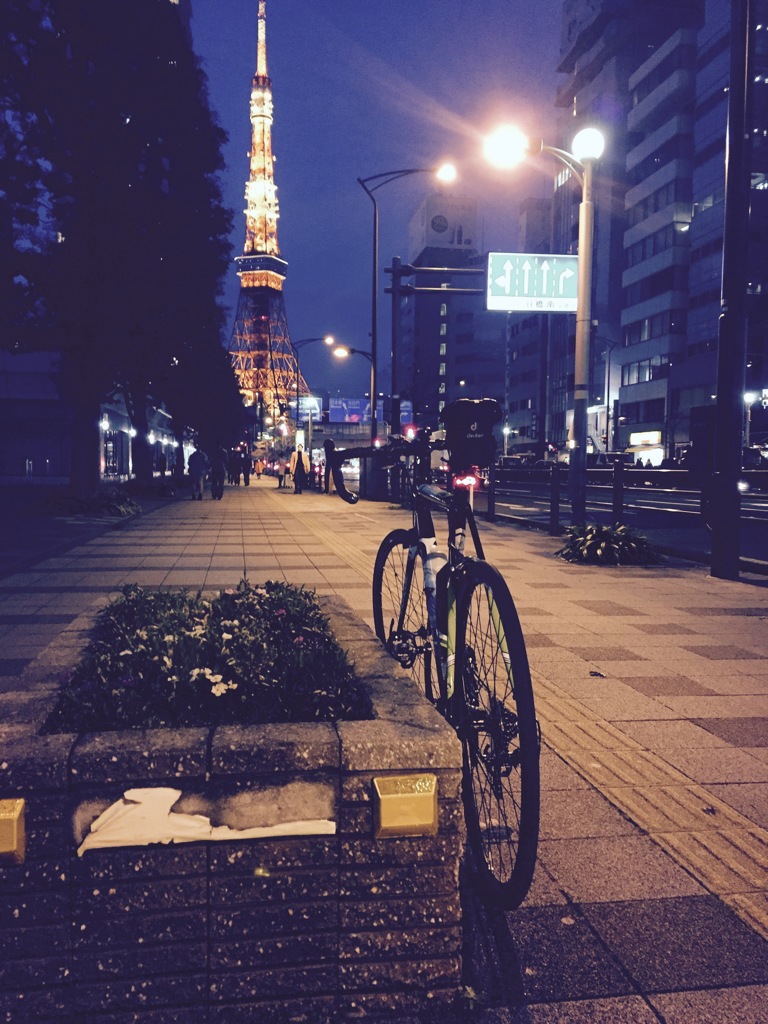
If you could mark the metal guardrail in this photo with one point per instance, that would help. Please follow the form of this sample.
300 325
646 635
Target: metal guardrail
625 483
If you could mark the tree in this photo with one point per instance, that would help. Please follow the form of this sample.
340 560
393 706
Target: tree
133 288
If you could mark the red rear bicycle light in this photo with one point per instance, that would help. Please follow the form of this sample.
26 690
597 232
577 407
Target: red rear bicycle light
468 480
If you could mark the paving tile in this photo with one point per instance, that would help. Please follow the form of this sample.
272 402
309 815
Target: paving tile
675 684
581 813
620 1010
663 628
617 702
751 799
719 764
668 944
558 958
665 736
13 666
742 1005
608 608
722 652
741 732
604 654
612 869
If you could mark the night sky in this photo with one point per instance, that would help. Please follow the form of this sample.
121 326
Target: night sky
362 87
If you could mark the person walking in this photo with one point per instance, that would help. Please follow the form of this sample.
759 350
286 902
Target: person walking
218 460
299 469
247 468
282 466
259 468
197 467
235 467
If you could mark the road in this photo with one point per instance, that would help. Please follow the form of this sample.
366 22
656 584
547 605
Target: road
670 517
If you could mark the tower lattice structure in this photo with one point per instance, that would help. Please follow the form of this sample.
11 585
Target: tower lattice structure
260 347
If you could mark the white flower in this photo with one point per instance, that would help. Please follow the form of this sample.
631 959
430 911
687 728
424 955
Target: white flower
226 636
169 639
125 654
220 688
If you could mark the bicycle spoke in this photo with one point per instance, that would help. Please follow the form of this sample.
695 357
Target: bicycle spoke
400 607
498 731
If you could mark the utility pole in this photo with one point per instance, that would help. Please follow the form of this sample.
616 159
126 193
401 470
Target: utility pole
732 334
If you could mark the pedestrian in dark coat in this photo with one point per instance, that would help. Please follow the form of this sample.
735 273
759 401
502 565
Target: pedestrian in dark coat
299 469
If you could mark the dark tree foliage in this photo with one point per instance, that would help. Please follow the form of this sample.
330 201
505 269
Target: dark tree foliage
132 296
29 184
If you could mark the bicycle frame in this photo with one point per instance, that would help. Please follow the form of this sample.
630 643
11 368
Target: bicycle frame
440 592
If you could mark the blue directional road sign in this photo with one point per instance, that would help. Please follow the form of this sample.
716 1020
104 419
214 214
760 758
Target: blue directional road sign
524 281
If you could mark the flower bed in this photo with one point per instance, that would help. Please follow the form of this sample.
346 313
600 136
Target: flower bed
173 659
307 928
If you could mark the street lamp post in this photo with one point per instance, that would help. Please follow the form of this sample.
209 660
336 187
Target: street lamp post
343 352
371 184
328 339
507 147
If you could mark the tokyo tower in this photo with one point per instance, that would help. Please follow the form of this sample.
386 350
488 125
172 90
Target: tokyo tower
260 347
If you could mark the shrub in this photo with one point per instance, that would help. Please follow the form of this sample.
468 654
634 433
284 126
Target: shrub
250 655
105 501
608 545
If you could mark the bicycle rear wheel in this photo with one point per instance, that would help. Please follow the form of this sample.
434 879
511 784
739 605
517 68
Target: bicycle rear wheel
398 588
496 722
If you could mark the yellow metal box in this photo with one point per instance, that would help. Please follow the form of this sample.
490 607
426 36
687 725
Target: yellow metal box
405 805
12 838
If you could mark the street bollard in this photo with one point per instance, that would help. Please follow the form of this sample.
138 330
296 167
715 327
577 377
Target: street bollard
554 500
618 492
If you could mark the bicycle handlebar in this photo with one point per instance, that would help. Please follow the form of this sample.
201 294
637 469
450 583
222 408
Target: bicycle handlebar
388 454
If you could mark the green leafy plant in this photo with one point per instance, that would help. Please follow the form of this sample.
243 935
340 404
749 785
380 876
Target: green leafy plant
167 658
608 545
105 501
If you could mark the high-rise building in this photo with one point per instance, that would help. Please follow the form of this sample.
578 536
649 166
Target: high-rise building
450 347
693 383
656 247
602 44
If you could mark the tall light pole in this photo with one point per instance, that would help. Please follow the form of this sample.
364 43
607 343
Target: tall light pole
445 173
507 147
328 339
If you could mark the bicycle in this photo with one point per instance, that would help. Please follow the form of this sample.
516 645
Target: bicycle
449 619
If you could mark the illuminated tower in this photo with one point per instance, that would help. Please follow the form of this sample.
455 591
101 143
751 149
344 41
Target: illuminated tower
260 346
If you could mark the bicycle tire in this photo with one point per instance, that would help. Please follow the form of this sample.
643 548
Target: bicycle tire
496 722
411 647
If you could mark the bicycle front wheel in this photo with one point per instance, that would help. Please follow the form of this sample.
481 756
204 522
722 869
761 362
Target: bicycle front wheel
496 721
400 616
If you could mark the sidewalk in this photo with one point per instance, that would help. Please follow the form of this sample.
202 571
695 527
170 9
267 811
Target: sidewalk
649 902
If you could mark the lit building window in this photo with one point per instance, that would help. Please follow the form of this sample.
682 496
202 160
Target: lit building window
443 329
441 371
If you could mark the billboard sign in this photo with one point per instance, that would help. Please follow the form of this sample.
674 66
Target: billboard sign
307 404
349 410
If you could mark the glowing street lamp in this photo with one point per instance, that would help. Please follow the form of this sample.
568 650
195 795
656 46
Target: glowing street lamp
444 173
327 339
506 148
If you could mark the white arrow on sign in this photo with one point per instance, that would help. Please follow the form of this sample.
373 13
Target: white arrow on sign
544 276
506 278
564 277
526 275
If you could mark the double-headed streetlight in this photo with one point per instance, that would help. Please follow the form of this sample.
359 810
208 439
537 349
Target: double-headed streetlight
506 148
327 339
445 173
